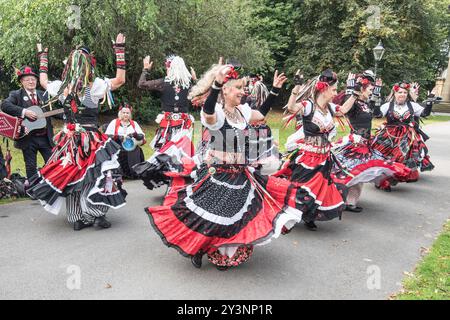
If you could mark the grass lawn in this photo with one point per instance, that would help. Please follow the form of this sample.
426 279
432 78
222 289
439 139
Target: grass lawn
431 279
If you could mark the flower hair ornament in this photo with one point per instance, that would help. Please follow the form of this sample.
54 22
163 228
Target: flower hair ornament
233 74
326 79
403 85
168 61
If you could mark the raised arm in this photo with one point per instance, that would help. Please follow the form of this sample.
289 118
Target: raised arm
414 91
353 91
278 81
209 108
292 105
152 85
43 66
119 49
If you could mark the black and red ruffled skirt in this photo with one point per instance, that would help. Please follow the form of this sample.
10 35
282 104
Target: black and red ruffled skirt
359 163
80 159
403 144
172 145
316 193
223 213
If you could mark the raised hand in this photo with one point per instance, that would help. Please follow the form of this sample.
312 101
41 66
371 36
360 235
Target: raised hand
379 82
378 86
193 74
147 63
415 88
279 79
120 39
298 78
223 72
39 48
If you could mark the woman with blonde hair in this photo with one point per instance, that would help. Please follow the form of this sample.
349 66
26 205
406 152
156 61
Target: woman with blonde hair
229 207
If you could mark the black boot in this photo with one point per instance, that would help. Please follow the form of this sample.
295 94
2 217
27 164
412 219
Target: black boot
353 208
101 222
310 225
78 225
197 260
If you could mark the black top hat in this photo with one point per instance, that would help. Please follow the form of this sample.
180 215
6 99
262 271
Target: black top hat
26 71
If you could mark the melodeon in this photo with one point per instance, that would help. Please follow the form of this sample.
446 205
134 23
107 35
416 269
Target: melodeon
10 126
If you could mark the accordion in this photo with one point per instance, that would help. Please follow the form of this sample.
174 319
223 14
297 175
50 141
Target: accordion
10 126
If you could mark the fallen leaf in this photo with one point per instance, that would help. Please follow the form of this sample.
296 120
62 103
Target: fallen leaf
424 251
108 286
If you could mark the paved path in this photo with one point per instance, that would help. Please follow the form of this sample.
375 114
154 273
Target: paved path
129 260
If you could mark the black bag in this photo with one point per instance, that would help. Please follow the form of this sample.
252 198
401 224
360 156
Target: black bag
19 183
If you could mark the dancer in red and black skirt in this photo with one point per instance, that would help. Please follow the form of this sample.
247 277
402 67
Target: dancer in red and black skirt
310 165
80 171
173 140
263 150
230 206
359 163
401 139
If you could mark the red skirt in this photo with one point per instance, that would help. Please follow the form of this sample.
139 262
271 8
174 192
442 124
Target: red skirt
226 208
403 144
172 145
359 163
316 193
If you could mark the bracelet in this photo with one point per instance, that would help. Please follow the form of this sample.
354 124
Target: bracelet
274 93
295 93
43 62
217 85
119 49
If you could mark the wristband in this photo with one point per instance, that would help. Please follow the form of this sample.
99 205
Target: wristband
119 49
43 62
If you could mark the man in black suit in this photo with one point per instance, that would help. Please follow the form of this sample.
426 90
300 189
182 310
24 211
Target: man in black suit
15 105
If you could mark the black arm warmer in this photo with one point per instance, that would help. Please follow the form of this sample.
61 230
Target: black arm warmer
428 108
265 107
210 103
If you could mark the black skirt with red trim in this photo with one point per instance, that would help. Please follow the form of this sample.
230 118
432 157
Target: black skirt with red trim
80 159
316 193
224 212
404 144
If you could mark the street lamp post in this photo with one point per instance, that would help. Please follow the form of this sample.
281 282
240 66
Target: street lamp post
378 53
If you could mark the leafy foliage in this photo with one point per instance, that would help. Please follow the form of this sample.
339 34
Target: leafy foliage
262 34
